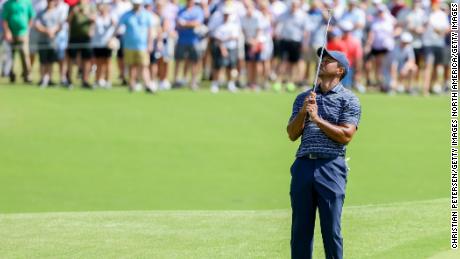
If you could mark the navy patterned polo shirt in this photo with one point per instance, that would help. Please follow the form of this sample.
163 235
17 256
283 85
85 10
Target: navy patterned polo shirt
338 106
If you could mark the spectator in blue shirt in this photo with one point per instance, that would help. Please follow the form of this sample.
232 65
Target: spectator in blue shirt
137 44
189 22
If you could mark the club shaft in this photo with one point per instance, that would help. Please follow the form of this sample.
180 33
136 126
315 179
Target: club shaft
322 50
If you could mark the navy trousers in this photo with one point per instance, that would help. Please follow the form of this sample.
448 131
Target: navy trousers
317 183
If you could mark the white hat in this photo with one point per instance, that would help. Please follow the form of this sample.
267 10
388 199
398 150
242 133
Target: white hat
137 1
227 10
406 37
346 26
381 7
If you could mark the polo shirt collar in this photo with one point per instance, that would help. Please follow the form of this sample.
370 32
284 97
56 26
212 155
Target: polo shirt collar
335 89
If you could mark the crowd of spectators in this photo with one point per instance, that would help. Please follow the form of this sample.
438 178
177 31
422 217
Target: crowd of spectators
392 46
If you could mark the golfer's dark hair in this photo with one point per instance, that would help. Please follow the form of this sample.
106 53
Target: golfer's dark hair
344 70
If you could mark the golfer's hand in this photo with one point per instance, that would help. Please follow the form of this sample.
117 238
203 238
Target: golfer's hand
312 107
304 106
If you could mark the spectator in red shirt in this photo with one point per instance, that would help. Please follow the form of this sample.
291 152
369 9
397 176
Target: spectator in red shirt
335 42
354 53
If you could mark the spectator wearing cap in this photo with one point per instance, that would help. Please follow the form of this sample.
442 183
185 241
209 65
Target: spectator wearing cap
291 31
226 36
17 19
277 9
357 16
267 41
379 43
403 66
61 41
415 25
251 24
81 19
47 23
38 6
165 48
316 27
155 52
138 43
104 29
188 49
215 21
119 8
354 53
437 26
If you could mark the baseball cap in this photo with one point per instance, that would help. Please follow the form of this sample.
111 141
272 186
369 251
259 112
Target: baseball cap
381 8
137 1
227 10
336 32
346 26
338 56
406 37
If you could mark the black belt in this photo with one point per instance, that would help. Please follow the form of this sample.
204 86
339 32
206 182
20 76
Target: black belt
321 156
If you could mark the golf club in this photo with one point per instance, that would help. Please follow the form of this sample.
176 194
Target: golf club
329 12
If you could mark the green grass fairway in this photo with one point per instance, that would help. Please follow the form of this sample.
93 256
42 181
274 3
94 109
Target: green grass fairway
389 231
92 174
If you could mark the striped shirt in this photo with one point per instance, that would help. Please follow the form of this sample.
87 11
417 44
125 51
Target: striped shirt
338 106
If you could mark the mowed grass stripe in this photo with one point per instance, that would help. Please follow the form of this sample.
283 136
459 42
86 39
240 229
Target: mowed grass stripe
111 150
405 230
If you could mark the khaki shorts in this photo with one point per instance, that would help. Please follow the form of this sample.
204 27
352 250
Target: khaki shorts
136 57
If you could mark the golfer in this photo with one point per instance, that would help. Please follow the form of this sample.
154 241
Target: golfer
326 120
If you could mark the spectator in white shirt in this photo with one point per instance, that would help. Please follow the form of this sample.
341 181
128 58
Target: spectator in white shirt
379 43
437 26
415 24
104 28
167 12
267 41
252 29
357 16
291 31
226 37
403 66
277 8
